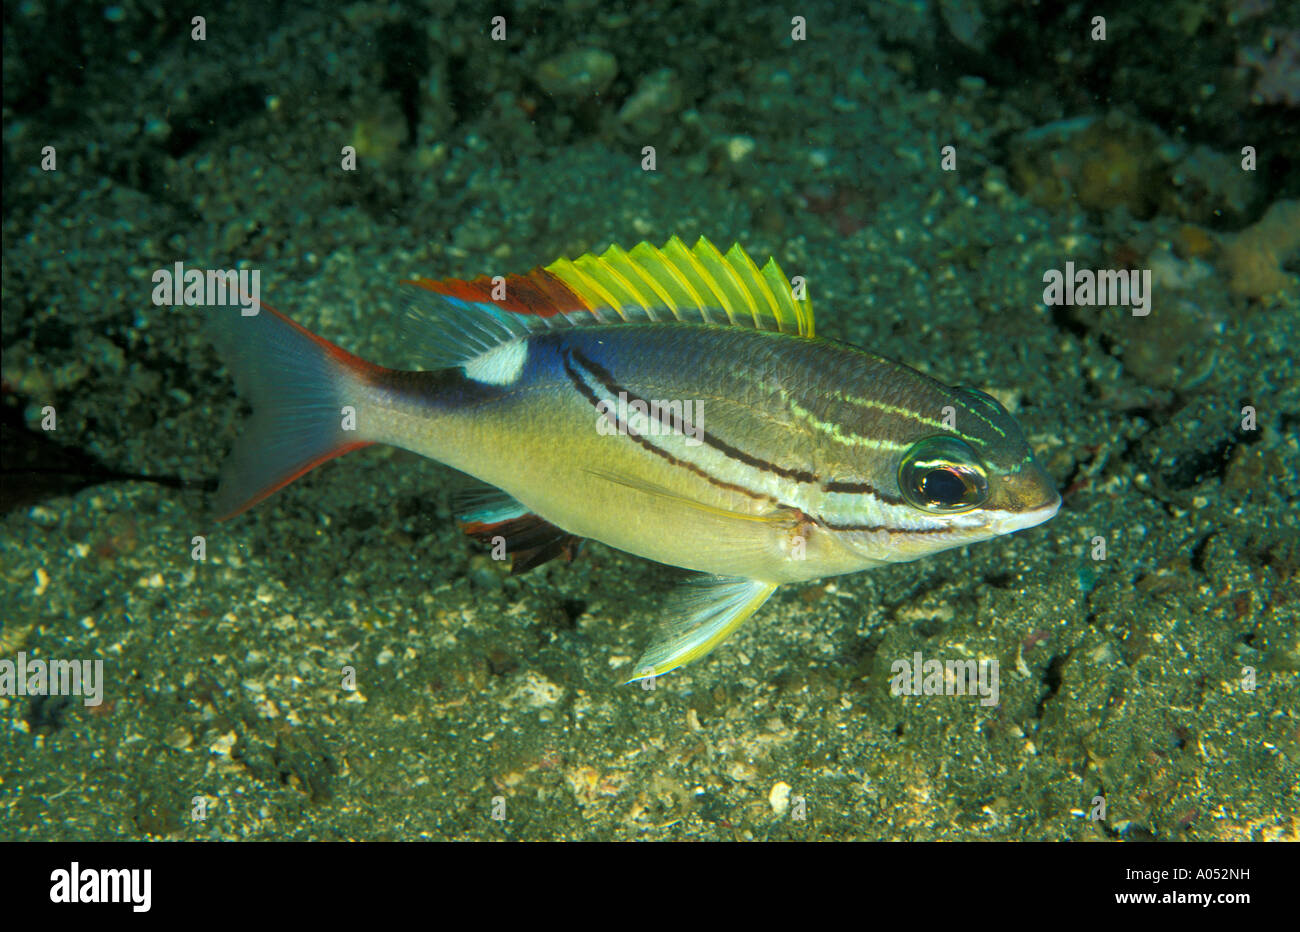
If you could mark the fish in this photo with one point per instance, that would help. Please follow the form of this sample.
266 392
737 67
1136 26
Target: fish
672 402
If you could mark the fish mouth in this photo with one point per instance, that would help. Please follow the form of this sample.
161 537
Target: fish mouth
1032 498
1029 517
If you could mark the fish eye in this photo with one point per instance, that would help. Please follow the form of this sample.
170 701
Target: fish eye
942 475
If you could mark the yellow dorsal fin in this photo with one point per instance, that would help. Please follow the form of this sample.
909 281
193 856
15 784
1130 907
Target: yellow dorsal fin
697 285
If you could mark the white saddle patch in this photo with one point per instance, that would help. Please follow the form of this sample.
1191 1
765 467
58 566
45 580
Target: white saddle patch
500 365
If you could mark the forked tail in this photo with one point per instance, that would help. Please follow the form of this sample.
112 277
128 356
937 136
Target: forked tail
298 385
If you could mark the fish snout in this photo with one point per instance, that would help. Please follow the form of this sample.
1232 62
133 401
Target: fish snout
1026 498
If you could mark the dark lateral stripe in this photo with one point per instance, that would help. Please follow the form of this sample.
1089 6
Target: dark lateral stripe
594 400
607 380
860 488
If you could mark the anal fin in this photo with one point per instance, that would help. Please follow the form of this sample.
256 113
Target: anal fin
487 513
701 615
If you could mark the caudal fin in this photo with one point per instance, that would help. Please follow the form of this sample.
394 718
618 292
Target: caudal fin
297 384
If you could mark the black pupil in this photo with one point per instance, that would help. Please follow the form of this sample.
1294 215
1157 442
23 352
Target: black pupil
944 487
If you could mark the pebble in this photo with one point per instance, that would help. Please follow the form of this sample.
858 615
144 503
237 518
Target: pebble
42 516
657 95
740 147
742 772
779 797
579 73
536 691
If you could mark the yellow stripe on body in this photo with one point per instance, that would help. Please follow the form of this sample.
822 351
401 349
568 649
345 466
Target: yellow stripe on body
837 431
890 409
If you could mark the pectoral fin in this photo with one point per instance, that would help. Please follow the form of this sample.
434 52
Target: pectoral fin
701 614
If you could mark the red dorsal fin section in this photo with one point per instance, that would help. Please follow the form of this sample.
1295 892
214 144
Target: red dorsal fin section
538 292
